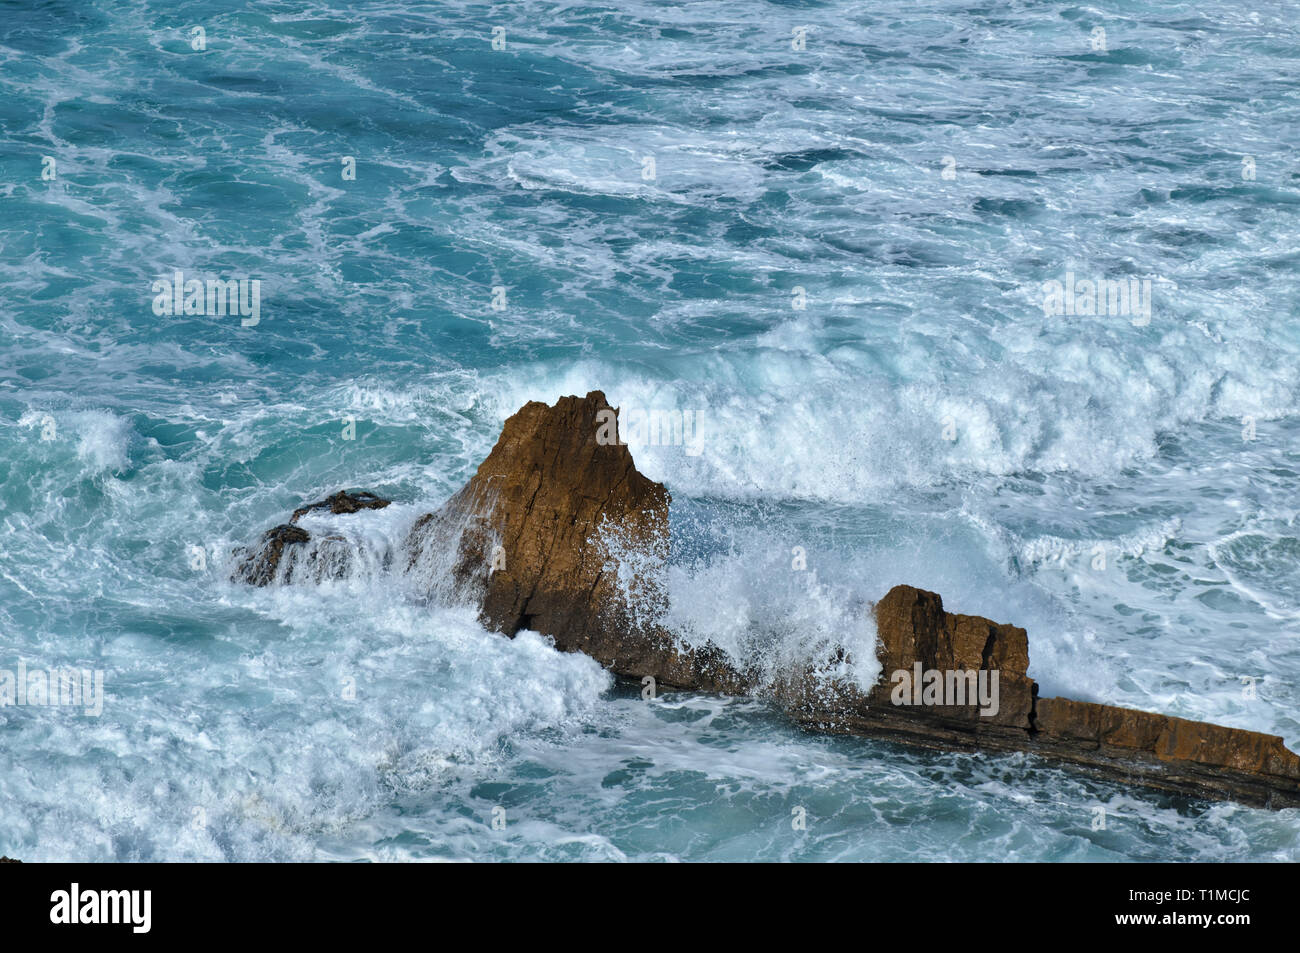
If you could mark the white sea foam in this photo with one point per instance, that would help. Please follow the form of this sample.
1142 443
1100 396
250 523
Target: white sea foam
774 169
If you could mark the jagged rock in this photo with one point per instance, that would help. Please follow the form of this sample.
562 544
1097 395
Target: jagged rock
258 566
540 526
914 629
916 636
342 502
9 860
558 532
1157 751
329 558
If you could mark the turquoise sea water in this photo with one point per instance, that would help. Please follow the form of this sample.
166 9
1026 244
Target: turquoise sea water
1127 491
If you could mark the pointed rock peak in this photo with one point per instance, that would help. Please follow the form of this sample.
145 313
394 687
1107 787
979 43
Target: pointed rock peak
555 490
576 440
558 532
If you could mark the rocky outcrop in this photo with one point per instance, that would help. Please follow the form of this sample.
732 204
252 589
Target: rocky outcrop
558 532
914 630
1170 753
259 565
342 502
9 860
322 558
1137 747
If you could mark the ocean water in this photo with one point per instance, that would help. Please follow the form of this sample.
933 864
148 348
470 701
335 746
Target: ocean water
822 227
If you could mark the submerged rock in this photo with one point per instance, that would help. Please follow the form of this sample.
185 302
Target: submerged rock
558 532
342 502
326 558
258 566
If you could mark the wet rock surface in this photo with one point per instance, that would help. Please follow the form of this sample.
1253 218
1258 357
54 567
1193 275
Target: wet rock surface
558 532
259 565
541 525
1170 753
326 557
1162 752
342 502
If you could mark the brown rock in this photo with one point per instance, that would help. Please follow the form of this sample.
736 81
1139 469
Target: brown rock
1174 753
912 627
558 532
342 502
1136 747
1069 720
536 533
327 558
258 566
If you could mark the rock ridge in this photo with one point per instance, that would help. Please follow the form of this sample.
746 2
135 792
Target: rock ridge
558 532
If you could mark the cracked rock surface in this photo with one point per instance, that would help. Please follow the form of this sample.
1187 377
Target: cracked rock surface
558 532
